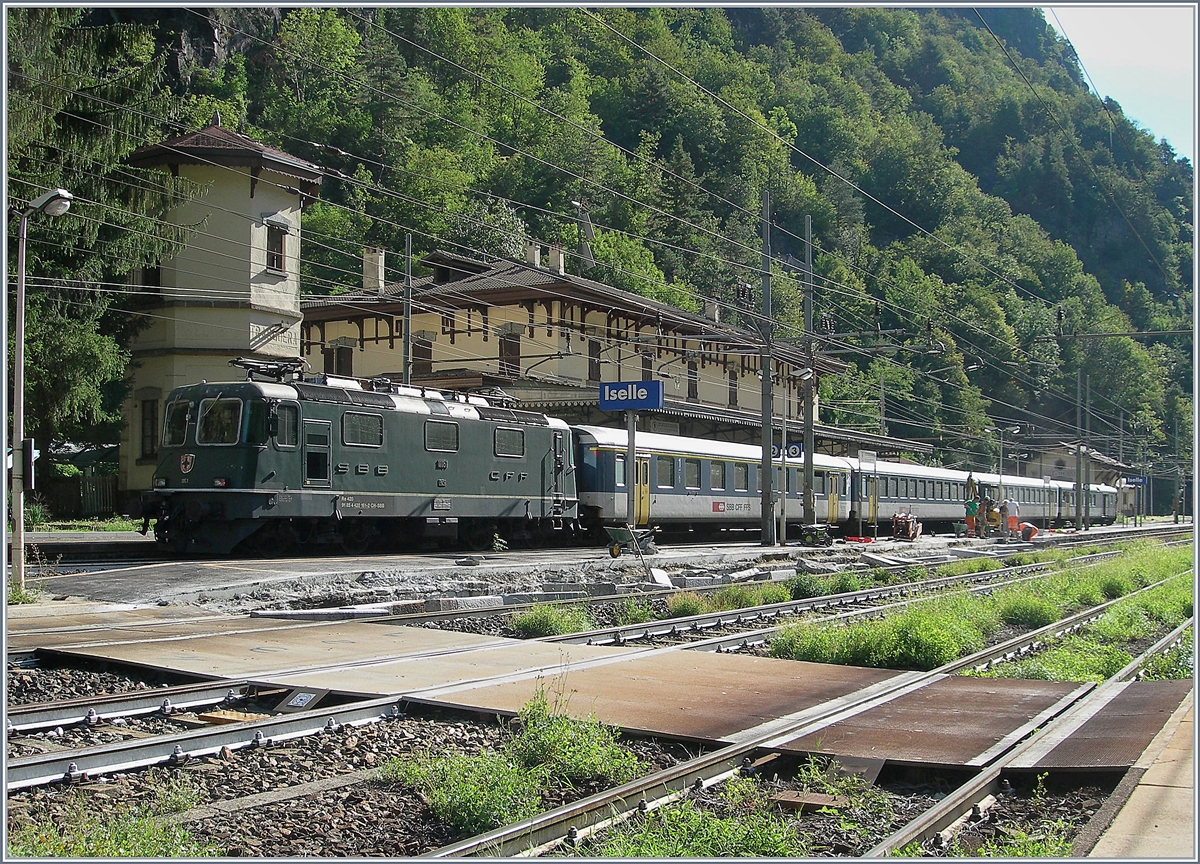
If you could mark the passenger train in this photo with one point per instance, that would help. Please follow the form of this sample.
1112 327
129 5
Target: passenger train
266 466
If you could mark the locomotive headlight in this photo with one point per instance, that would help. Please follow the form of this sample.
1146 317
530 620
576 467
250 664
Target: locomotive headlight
160 482
220 482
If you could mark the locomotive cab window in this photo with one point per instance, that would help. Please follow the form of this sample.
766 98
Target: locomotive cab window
362 430
509 442
175 429
220 421
441 437
286 421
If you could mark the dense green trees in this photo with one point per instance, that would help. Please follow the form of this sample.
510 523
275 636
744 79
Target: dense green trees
957 172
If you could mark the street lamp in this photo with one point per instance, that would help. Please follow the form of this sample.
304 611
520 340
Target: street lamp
1015 430
56 202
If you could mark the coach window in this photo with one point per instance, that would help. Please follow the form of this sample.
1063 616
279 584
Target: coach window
691 473
619 471
220 421
441 437
716 479
509 442
362 430
285 431
666 472
741 476
175 429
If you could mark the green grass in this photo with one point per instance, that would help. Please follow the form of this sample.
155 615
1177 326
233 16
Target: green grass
1175 665
545 748
136 832
546 620
115 523
574 750
935 632
1048 841
470 794
744 824
28 594
631 611
685 604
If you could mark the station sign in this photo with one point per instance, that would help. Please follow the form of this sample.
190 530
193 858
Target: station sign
794 450
1135 481
631 395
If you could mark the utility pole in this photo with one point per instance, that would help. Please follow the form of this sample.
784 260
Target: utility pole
882 404
407 309
810 381
768 429
1087 465
1078 448
1178 469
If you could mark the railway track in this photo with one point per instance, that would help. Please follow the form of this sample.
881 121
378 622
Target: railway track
694 632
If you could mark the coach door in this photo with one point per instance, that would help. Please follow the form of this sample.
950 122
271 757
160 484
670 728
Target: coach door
641 491
317 434
833 485
872 483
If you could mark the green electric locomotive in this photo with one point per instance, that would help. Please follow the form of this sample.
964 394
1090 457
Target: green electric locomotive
276 463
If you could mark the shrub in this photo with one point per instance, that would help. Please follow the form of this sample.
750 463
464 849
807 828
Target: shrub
551 621
733 597
1024 609
575 750
631 611
1113 586
773 592
805 585
470 794
686 603
844 582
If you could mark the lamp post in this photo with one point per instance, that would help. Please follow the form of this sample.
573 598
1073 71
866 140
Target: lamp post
53 203
1015 430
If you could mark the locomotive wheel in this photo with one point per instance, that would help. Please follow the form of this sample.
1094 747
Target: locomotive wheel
615 550
478 537
356 537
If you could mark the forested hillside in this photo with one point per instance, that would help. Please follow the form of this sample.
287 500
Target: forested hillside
963 184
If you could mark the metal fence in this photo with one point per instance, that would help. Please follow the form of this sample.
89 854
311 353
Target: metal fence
79 497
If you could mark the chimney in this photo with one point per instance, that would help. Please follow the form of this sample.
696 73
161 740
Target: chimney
373 269
533 253
558 262
712 311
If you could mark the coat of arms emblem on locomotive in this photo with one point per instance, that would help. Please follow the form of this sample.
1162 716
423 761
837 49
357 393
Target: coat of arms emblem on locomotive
186 461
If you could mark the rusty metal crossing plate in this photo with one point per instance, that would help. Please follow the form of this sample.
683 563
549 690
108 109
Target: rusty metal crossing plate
684 694
952 722
1116 735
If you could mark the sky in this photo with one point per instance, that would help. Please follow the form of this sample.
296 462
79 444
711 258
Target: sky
1143 56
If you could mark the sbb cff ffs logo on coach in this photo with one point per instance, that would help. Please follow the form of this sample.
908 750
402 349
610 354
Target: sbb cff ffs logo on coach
631 396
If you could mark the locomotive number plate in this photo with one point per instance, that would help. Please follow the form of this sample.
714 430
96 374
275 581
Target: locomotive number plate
363 504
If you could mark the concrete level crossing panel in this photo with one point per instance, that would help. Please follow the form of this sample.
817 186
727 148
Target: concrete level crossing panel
950 722
686 694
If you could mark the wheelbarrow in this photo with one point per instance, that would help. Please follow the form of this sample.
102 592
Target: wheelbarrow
626 539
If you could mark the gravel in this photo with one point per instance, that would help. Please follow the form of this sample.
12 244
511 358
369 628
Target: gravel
367 818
